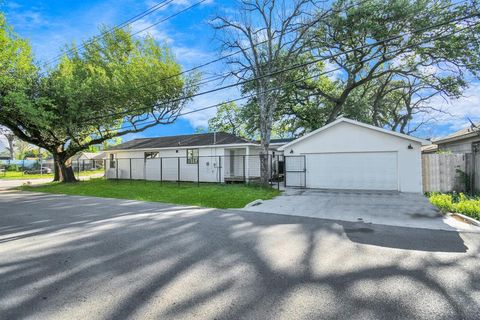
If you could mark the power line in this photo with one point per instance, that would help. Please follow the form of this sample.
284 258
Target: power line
280 71
148 122
296 66
130 21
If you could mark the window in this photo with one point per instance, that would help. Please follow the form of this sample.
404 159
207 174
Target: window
112 161
151 155
192 156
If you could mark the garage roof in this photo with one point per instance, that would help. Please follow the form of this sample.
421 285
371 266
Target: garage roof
361 124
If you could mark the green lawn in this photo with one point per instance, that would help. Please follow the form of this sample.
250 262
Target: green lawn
18 175
204 195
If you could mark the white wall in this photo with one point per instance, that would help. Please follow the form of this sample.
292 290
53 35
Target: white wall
347 137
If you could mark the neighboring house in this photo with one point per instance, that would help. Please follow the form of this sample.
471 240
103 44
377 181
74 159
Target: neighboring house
89 156
88 160
463 141
348 154
344 154
433 148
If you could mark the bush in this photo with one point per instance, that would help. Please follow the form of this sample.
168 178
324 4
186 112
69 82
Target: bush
442 201
457 202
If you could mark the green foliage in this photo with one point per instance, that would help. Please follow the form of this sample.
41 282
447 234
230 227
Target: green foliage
457 202
91 96
204 195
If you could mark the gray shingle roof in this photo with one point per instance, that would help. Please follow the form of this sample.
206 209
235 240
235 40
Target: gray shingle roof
466 132
191 140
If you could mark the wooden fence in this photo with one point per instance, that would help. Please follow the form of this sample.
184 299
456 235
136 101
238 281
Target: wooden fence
451 172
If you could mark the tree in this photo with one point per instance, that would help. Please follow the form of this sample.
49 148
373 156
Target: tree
228 119
95 95
343 38
268 34
10 138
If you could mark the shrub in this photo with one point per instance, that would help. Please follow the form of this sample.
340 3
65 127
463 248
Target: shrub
442 201
468 207
457 202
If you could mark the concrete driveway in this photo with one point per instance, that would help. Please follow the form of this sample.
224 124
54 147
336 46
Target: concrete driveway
65 257
378 207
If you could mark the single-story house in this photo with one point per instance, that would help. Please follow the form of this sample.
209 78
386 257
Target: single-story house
88 160
466 140
344 154
205 157
348 154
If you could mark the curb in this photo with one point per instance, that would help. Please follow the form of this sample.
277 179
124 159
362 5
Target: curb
253 203
467 219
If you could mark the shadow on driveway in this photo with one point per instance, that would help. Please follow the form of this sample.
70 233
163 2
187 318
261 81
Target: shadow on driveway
83 257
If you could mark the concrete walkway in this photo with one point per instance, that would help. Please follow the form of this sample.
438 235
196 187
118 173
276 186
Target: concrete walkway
377 207
65 257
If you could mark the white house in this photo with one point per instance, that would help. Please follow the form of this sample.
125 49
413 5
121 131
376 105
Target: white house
208 157
348 154
344 154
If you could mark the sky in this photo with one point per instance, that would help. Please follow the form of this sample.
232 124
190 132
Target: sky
50 25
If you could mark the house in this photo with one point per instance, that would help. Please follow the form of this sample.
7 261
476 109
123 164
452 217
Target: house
466 140
88 160
348 154
344 154
206 157
429 149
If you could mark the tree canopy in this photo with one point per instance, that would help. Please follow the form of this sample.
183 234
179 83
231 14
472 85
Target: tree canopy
116 85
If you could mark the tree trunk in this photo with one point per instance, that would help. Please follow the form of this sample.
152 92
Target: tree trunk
65 169
265 132
56 169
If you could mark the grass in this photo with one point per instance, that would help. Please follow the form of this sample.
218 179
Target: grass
19 175
457 202
203 195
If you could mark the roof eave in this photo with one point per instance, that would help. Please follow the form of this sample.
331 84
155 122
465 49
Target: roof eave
423 142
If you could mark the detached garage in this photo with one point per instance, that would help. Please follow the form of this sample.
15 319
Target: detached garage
348 154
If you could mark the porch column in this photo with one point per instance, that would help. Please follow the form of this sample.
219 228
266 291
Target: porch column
247 158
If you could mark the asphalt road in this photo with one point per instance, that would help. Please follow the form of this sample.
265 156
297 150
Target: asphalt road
64 257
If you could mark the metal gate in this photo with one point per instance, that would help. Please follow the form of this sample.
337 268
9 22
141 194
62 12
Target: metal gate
295 171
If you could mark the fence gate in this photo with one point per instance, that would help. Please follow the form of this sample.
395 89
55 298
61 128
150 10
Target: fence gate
295 171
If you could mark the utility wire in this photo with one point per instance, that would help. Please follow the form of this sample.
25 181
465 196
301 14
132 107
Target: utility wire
147 122
296 66
131 21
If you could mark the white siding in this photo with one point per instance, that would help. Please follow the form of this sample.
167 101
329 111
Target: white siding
346 137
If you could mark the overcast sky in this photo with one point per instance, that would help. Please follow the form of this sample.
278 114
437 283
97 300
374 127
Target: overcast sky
49 25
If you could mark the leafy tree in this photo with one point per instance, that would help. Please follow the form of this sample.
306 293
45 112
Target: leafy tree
345 35
94 95
228 119
267 34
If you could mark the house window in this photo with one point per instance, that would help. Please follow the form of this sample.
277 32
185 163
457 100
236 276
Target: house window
151 155
192 156
112 161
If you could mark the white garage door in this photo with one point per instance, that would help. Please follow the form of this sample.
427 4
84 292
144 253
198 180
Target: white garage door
365 170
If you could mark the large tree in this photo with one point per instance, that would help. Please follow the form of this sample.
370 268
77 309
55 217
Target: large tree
429 46
116 85
267 34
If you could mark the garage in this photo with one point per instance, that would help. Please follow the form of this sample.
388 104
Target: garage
352 170
351 155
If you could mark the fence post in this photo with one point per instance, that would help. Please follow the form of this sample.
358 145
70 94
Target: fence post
271 167
278 172
161 168
244 173
304 171
178 170
220 169
198 170
285 171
